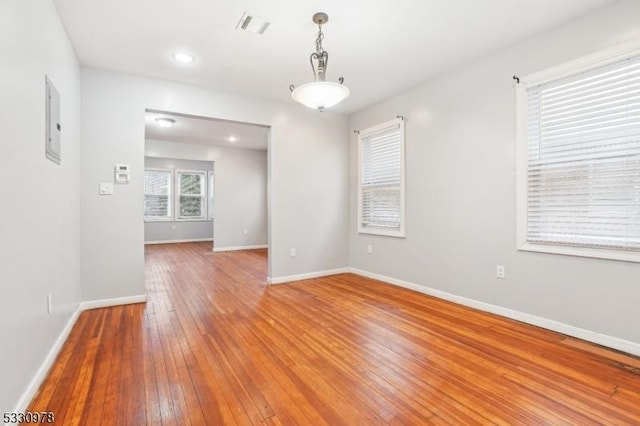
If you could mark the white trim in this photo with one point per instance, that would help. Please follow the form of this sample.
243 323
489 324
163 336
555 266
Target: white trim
148 219
522 158
380 127
43 370
612 54
105 303
600 58
570 330
608 254
307 276
204 195
37 380
211 179
170 206
193 240
221 249
400 233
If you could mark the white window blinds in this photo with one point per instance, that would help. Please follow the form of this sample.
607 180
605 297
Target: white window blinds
157 194
583 174
381 191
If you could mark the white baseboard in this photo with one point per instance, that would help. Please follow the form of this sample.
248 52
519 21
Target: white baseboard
193 240
105 303
219 249
588 335
43 370
308 276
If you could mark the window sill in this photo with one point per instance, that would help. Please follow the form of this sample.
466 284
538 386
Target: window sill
626 256
382 232
195 219
154 219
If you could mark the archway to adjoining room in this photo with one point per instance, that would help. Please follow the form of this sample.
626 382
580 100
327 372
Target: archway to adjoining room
206 180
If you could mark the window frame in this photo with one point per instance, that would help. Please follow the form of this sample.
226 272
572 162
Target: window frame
210 194
203 196
598 59
399 233
170 204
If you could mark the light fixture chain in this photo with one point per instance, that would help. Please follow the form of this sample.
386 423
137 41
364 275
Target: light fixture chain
319 48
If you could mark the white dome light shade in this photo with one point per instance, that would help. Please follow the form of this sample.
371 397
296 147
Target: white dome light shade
320 94
165 122
183 58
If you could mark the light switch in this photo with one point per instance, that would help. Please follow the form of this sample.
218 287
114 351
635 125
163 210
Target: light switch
106 188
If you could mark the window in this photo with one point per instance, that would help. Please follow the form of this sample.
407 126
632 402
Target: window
211 195
381 179
191 195
579 158
157 194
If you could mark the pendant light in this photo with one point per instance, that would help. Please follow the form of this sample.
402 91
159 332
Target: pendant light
320 94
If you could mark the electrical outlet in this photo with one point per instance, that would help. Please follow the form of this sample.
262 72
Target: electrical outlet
500 273
49 303
369 249
293 252
245 232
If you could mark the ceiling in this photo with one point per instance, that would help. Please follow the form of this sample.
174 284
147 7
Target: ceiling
206 131
381 47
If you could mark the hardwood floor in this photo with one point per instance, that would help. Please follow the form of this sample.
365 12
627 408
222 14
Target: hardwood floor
214 345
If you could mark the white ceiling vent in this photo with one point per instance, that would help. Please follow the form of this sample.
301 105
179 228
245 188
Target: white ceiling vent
252 23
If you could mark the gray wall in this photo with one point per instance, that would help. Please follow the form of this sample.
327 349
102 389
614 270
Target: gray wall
241 199
240 190
178 230
308 177
40 226
461 191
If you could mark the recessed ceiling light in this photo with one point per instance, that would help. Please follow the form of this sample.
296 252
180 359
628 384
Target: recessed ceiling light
165 122
232 139
183 58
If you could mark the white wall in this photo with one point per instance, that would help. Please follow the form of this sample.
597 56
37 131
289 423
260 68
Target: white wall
178 230
240 189
40 213
308 173
461 191
241 200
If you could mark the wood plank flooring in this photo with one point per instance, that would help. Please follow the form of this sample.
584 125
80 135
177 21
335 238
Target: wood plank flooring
216 346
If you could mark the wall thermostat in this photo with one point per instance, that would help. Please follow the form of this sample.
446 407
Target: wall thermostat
123 173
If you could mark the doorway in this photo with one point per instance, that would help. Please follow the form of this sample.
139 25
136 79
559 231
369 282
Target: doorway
206 179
